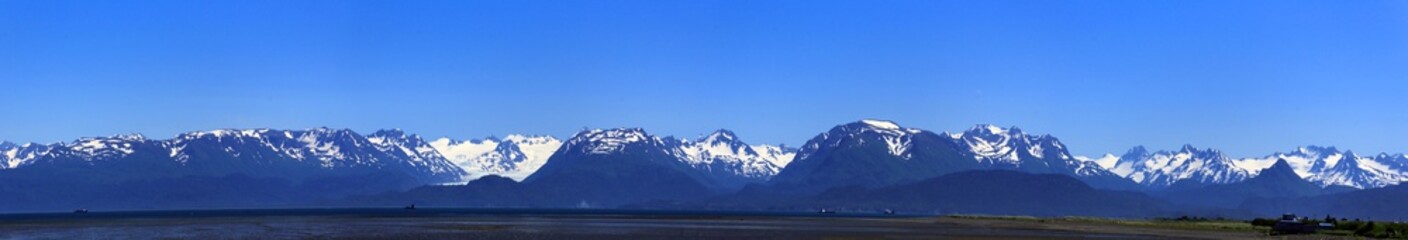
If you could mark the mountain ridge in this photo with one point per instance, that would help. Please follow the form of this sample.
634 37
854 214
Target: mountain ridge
1324 165
612 167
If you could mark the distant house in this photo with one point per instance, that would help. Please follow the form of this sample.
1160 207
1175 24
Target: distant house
1290 225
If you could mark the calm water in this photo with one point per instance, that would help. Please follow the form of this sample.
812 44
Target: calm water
421 212
458 223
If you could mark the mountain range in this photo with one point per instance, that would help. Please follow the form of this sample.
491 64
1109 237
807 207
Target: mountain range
1277 181
256 152
894 166
1324 166
514 156
251 166
873 153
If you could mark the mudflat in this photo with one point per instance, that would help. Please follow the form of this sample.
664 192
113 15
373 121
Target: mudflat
578 226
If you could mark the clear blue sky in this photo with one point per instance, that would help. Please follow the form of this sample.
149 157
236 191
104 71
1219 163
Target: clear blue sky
1249 77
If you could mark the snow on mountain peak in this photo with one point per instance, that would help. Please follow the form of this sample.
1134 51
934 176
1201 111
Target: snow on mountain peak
1164 168
458 149
720 154
896 138
529 139
991 129
1347 160
130 137
720 143
608 141
394 133
1327 165
1012 148
319 147
996 145
222 133
91 148
15 156
390 132
994 129
1323 165
330 147
721 135
514 156
723 153
1350 169
1313 150
8 153
416 150
1106 161
881 124
779 155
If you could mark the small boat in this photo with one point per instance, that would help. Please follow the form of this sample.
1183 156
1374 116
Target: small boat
826 211
80 211
411 207
889 212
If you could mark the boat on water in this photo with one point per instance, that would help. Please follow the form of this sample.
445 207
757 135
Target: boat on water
411 207
80 211
826 211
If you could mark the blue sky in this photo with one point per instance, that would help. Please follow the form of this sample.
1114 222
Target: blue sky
1249 77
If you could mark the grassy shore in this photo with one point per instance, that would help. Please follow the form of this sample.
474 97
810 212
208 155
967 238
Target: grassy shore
1220 229
581 227
428 223
1212 225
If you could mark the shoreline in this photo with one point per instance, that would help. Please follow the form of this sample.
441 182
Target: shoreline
581 224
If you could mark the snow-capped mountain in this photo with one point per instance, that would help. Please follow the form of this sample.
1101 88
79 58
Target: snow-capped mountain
1325 166
1394 161
1349 171
84 149
885 153
616 166
1305 160
325 147
995 145
217 168
1011 148
1277 181
16 155
897 140
872 153
1164 168
1328 166
5 153
1107 161
253 152
514 156
91 149
780 155
414 148
721 154
723 159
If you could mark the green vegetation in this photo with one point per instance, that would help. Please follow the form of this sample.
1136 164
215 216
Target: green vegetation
1350 227
1171 223
1342 227
996 217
